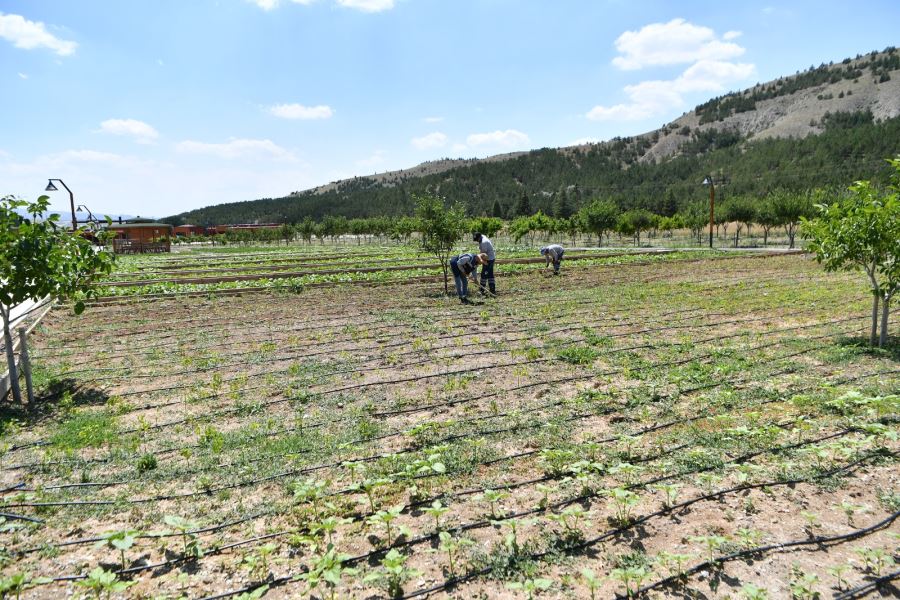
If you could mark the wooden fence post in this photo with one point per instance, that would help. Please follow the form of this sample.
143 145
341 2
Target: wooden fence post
26 364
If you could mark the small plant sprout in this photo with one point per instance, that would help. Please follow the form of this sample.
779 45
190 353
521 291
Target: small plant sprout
356 468
368 486
189 541
393 573
257 561
19 582
591 581
851 509
256 594
329 525
837 572
102 582
812 522
627 472
876 559
752 592
673 563
310 491
630 576
624 502
803 584
493 497
571 519
712 543
326 571
452 545
748 538
670 493
387 518
436 510
119 540
531 587
544 490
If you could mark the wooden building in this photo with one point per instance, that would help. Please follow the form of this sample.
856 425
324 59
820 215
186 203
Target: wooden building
139 236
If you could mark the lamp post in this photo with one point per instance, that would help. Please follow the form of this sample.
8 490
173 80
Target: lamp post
712 206
52 188
91 218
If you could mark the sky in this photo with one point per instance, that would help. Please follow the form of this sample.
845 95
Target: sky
155 107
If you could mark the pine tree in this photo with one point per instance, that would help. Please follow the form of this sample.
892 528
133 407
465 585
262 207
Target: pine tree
563 209
523 207
497 210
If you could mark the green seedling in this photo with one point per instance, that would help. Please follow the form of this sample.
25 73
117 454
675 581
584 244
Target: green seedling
670 493
356 468
812 521
387 518
257 561
752 592
624 502
19 582
393 572
876 559
530 586
452 545
748 538
326 570
147 462
571 518
673 563
837 572
119 540
630 576
102 582
310 491
592 582
493 497
803 585
254 595
544 490
368 486
627 472
436 510
712 543
328 526
189 541
851 509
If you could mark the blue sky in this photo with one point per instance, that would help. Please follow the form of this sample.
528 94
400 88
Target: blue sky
156 107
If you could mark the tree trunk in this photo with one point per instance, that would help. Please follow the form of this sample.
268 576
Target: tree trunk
11 358
874 335
884 321
446 287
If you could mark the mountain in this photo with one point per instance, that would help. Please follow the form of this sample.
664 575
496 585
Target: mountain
827 125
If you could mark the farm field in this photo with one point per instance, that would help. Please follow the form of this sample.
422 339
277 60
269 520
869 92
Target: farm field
678 425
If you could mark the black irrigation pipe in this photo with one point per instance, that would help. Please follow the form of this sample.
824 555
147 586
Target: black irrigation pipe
452 582
130 299
426 309
452 403
400 432
159 426
812 541
871 586
466 527
19 517
298 351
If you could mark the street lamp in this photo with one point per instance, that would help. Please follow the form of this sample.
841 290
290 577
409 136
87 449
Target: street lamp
52 188
82 208
712 205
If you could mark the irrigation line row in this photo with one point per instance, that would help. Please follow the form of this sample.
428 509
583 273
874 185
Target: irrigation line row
871 586
345 388
314 321
455 402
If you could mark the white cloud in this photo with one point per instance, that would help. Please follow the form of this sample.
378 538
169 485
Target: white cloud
23 76
432 140
298 111
236 148
510 138
732 35
140 131
675 42
370 6
650 98
433 119
373 161
460 147
160 62
29 35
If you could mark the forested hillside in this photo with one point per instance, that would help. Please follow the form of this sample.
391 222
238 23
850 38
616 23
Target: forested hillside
827 126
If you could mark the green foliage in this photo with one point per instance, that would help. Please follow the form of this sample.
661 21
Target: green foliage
326 570
862 231
441 228
119 540
102 582
393 573
599 217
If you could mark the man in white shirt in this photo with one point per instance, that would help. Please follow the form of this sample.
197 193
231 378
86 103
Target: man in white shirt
486 246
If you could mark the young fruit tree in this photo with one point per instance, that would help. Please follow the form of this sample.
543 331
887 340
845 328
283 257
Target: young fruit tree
442 227
41 259
862 230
